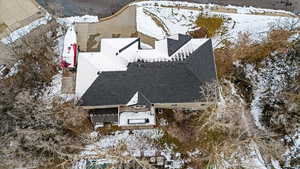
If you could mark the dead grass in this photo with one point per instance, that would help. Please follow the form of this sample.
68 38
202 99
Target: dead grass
198 33
107 130
74 119
247 51
219 133
213 25
183 133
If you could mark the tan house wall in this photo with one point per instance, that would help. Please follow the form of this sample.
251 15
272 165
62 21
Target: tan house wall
100 107
147 39
121 24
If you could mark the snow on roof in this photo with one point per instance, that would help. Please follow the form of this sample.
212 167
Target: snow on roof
86 73
152 56
69 41
110 46
134 99
91 64
188 48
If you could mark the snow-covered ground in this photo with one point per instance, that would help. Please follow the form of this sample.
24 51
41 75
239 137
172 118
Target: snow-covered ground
26 29
54 90
19 33
294 151
208 7
68 21
135 144
269 81
180 18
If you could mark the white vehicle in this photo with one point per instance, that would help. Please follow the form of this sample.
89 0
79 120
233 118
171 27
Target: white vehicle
70 51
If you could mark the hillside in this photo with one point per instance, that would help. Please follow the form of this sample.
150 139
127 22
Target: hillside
255 124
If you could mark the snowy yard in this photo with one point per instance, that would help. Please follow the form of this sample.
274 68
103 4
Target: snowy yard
173 18
129 145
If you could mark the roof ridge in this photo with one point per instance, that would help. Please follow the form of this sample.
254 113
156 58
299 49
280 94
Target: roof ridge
128 45
145 97
194 56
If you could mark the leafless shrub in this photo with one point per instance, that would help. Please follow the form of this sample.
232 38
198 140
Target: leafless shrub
290 24
226 133
248 51
37 59
198 33
34 134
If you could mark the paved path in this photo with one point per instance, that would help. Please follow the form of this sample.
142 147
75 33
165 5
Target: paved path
104 8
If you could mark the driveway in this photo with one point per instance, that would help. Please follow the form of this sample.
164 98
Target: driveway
104 8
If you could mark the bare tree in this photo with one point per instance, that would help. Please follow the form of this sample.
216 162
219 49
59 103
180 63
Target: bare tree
227 135
34 134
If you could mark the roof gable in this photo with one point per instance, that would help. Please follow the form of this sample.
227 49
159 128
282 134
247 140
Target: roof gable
174 44
138 99
134 99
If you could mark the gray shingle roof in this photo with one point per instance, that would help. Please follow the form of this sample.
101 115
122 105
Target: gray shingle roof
159 82
142 100
174 45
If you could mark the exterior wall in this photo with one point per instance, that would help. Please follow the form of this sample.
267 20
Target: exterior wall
133 109
99 117
190 106
147 39
131 116
99 107
124 108
121 24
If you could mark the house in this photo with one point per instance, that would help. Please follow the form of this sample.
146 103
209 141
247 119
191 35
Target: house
126 82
